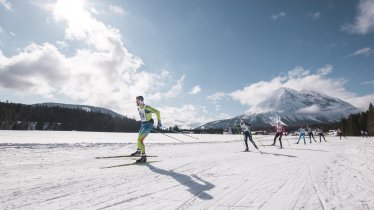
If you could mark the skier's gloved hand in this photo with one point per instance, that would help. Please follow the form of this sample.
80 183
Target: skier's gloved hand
159 125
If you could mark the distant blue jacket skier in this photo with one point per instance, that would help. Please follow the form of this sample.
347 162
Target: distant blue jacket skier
301 134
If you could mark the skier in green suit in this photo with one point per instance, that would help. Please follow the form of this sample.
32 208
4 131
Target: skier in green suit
146 127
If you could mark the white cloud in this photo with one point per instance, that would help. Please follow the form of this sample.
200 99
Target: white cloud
278 15
366 51
195 90
310 109
370 82
314 15
102 73
173 91
6 4
189 115
117 10
364 21
299 79
216 97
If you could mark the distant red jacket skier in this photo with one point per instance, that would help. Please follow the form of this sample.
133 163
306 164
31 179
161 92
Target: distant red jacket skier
279 129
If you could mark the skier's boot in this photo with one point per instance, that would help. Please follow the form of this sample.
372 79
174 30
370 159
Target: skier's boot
246 150
136 154
142 159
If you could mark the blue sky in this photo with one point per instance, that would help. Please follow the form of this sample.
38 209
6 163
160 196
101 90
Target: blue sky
104 53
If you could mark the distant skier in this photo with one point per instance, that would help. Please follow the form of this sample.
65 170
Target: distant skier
146 127
340 134
321 135
310 134
247 134
301 134
279 129
363 134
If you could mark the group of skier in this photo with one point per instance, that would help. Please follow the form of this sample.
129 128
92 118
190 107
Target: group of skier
309 130
280 130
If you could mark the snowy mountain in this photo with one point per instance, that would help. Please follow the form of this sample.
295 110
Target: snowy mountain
293 108
83 107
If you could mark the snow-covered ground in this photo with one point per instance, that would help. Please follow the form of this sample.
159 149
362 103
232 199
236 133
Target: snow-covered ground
58 170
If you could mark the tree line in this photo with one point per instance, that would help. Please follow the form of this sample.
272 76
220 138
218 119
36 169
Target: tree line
355 123
14 116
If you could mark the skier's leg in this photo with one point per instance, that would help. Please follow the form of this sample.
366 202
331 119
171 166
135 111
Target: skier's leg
246 141
254 144
304 138
146 130
324 137
275 138
280 140
310 138
313 138
140 136
298 139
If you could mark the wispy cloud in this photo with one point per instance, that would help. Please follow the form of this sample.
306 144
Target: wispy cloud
62 44
364 20
310 109
117 10
315 15
216 97
195 90
370 82
6 4
366 51
278 15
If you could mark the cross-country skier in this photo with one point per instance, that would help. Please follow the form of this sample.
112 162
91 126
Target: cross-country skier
310 134
321 135
146 127
340 134
279 129
301 134
247 134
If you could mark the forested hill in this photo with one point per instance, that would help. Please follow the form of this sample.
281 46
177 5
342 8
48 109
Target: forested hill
40 117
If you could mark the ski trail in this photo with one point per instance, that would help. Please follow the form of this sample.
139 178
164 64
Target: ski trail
316 189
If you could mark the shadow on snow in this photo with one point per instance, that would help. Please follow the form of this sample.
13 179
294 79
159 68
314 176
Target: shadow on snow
196 186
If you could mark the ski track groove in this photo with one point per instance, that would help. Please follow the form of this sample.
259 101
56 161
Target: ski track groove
316 189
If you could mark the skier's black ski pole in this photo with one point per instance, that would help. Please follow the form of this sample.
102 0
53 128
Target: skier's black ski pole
167 135
184 134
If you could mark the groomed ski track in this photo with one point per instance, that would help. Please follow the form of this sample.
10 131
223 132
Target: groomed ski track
58 170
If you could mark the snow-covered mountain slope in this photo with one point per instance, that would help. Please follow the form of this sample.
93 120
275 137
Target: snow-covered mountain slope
293 108
83 107
36 174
